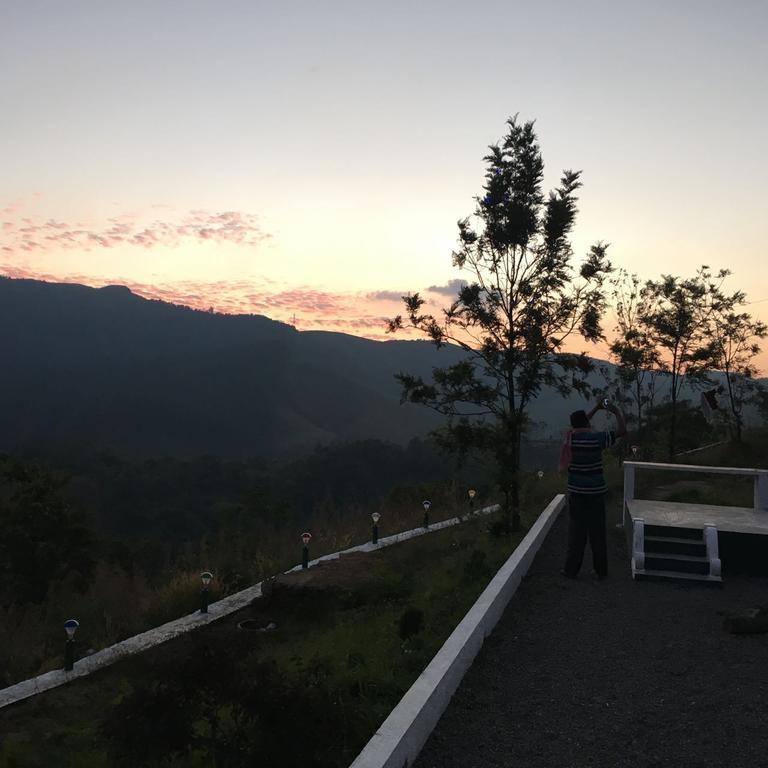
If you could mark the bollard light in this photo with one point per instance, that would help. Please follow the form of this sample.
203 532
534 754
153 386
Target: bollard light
471 493
70 627
305 539
426 504
206 577
375 534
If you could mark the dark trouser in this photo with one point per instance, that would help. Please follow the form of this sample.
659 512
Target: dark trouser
586 519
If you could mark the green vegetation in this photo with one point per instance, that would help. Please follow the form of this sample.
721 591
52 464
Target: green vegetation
351 638
683 331
345 649
513 319
120 544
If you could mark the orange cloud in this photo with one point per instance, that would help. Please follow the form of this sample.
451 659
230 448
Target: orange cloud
358 314
312 308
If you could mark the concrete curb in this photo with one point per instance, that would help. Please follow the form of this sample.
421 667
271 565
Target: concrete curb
399 537
171 629
398 741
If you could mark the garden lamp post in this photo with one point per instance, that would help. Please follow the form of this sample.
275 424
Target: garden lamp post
375 536
471 493
206 577
305 539
70 627
426 504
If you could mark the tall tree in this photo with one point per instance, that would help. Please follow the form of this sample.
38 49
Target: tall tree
514 316
760 399
633 350
734 337
44 539
678 318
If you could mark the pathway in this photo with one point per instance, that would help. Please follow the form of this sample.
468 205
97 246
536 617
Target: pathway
611 674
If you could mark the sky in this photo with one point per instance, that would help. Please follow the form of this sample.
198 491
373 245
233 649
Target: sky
310 160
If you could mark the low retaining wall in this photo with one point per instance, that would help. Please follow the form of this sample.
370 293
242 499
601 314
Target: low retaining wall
400 738
217 610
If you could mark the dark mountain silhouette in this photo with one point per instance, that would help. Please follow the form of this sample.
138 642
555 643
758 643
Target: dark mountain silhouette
106 367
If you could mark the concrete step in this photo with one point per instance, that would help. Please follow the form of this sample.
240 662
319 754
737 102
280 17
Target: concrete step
674 562
682 533
660 575
675 545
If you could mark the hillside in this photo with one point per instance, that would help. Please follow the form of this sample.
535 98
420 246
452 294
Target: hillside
146 378
150 378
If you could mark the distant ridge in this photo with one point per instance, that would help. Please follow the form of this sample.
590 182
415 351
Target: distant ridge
147 378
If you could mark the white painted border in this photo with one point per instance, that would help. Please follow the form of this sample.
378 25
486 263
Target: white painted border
398 741
217 610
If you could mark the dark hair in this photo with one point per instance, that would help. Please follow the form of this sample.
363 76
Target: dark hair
579 419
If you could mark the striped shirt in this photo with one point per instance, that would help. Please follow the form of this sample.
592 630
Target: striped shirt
585 472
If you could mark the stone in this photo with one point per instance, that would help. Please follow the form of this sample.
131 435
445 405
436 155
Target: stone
747 622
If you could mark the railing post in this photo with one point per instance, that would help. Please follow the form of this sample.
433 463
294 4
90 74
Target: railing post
629 494
713 550
629 482
761 490
638 546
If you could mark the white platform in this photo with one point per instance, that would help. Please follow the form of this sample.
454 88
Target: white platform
674 514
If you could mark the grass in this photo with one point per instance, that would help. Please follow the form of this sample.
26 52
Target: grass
310 693
117 605
314 691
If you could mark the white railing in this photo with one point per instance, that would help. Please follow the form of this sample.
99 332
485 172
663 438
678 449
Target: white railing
760 479
636 532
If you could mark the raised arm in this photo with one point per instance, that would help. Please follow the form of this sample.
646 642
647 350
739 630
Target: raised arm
622 430
598 407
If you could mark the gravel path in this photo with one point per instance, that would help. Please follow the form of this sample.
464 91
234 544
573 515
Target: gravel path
615 673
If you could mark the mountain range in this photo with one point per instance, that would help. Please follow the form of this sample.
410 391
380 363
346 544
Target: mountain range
144 377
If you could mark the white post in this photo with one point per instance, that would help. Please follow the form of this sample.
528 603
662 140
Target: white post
629 489
761 490
713 551
629 494
629 482
638 546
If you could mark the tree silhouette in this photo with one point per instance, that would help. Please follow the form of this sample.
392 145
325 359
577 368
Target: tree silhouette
633 350
733 335
678 318
515 315
44 538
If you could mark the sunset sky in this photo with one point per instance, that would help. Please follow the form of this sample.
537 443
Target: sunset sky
312 158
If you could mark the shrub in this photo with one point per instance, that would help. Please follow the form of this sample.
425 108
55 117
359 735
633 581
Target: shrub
411 622
476 568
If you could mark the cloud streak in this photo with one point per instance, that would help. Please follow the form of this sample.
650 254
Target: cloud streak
387 295
451 288
30 236
314 309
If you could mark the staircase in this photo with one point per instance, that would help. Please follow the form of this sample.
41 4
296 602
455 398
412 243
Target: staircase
673 554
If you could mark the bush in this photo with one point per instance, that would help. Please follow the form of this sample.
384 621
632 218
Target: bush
476 568
411 622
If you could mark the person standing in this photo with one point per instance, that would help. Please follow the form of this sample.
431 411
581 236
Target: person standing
582 455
